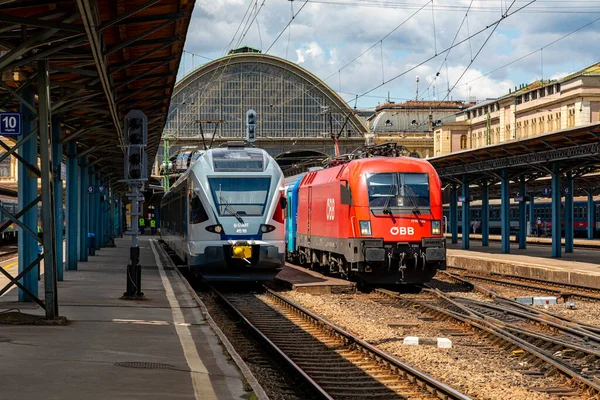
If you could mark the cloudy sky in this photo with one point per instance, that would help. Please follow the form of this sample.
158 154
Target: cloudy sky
327 36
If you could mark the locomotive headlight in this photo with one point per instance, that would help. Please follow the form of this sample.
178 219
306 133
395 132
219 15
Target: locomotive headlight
436 227
215 228
266 228
365 228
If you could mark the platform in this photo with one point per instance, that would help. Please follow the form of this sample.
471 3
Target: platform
308 281
159 348
580 268
534 240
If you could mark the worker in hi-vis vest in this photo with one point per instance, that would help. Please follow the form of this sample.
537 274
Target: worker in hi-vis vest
153 226
142 224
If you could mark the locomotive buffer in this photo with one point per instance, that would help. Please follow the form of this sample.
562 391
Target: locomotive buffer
136 174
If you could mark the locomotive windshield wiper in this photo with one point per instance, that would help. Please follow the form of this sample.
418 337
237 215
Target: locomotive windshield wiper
231 209
386 207
411 196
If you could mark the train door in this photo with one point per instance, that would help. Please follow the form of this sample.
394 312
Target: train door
309 213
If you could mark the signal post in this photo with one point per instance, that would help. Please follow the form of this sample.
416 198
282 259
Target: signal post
136 174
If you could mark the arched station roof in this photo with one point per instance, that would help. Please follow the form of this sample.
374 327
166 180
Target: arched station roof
289 101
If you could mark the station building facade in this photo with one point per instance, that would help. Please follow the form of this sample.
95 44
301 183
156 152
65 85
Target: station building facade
411 123
533 109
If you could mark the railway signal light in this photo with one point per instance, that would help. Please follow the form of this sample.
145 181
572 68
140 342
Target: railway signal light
136 137
251 126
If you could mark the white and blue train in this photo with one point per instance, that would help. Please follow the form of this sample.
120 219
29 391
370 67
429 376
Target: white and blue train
224 217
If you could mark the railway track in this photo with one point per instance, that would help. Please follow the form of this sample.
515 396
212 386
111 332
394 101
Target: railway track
335 363
565 291
547 343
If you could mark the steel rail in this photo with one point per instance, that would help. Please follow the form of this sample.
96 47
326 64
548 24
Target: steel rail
496 329
580 291
421 379
314 385
433 385
538 315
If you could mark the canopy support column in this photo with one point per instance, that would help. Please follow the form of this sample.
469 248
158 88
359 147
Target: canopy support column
27 186
522 214
556 204
84 210
57 155
569 224
454 214
505 212
72 211
485 214
466 214
591 215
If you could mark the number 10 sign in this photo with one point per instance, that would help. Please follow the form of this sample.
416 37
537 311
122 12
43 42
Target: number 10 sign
10 124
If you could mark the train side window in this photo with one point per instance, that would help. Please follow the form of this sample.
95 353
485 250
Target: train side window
197 212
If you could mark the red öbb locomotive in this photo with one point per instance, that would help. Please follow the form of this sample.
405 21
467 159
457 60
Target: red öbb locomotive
373 219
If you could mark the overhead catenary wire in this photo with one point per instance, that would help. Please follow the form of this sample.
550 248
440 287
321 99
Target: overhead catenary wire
361 54
482 46
287 26
448 53
495 23
532 52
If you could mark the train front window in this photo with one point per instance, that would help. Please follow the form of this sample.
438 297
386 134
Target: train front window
390 191
240 196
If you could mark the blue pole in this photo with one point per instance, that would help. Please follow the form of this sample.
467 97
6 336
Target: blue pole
57 155
505 212
92 203
102 218
99 213
466 215
84 210
27 187
569 214
522 215
532 220
72 208
591 217
485 214
556 228
454 214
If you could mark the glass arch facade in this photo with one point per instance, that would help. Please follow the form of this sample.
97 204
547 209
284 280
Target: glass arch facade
289 101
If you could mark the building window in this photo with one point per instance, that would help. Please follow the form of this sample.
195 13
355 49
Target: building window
533 126
526 128
571 116
519 129
5 168
463 142
550 123
557 121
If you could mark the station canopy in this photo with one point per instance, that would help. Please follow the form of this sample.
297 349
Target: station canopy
106 57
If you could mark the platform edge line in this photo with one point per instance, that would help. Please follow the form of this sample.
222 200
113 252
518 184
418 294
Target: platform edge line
256 386
190 351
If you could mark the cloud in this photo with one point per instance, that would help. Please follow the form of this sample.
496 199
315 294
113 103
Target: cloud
325 37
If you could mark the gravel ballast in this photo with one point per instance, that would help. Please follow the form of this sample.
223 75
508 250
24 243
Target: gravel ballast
471 366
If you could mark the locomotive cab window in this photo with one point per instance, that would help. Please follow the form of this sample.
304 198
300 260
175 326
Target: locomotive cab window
197 212
398 191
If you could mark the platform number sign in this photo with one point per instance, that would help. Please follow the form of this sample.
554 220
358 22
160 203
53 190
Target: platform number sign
10 124
101 189
90 189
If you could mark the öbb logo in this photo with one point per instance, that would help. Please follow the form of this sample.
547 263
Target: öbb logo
330 212
403 230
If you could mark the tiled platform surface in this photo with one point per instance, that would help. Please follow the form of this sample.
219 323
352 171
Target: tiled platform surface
88 358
